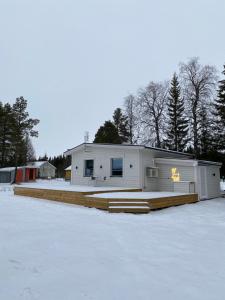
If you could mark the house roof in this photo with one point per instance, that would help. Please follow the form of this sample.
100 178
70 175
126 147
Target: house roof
126 146
10 169
38 164
31 165
187 162
68 168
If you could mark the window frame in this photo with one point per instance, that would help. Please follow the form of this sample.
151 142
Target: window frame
85 168
111 167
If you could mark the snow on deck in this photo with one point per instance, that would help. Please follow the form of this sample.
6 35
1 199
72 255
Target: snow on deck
136 195
57 251
61 185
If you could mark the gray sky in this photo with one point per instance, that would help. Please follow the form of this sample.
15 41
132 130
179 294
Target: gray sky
75 61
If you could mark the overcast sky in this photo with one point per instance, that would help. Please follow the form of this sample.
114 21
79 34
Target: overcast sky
75 61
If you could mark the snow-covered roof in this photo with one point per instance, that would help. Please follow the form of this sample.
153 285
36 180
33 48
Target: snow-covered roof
186 162
68 168
9 169
38 164
125 146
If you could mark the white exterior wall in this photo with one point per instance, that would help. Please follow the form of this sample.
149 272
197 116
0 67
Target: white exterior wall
46 170
135 177
102 157
211 175
147 160
165 183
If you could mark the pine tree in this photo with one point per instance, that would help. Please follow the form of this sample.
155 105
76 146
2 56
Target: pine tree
121 123
6 133
23 127
219 114
107 133
177 132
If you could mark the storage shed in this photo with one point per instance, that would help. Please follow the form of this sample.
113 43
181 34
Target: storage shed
23 174
44 169
68 173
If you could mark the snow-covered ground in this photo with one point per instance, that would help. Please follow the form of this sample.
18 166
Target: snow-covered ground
51 250
222 186
66 186
136 195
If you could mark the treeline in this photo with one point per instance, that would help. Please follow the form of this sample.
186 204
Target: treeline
184 114
16 128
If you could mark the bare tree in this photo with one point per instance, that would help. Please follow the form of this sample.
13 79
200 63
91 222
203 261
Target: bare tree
152 105
199 83
30 152
130 110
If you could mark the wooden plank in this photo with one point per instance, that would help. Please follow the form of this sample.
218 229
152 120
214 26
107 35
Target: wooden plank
79 198
138 210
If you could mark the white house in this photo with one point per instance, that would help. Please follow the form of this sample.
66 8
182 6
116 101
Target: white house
44 169
147 168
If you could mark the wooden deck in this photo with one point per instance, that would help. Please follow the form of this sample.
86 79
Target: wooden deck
109 204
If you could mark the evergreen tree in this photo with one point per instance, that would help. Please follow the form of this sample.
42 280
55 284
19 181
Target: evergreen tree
177 132
219 114
121 123
6 134
22 128
60 162
43 158
107 133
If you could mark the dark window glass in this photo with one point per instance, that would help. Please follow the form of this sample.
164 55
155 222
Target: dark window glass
89 167
117 167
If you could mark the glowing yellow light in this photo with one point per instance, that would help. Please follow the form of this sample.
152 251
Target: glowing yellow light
175 175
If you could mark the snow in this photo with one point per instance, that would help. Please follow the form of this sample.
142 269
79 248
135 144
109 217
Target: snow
51 250
8 169
136 195
62 185
38 164
68 168
222 186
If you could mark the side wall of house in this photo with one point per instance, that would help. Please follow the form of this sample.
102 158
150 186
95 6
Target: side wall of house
147 160
165 183
102 167
213 181
46 171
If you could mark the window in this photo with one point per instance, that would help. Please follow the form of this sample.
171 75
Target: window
88 167
117 167
175 175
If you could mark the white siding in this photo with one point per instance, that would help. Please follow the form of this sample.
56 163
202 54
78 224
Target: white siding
46 171
164 181
149 184
102 157
213 182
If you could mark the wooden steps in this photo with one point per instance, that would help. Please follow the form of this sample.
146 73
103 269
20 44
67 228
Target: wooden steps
129 209
114 205
128 206
128 203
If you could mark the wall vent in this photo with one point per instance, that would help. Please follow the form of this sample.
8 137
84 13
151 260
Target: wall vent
152 172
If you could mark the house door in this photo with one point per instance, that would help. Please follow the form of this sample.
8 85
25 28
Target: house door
203 182
31 175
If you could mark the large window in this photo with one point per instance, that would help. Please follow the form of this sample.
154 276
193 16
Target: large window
88 167
117 167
